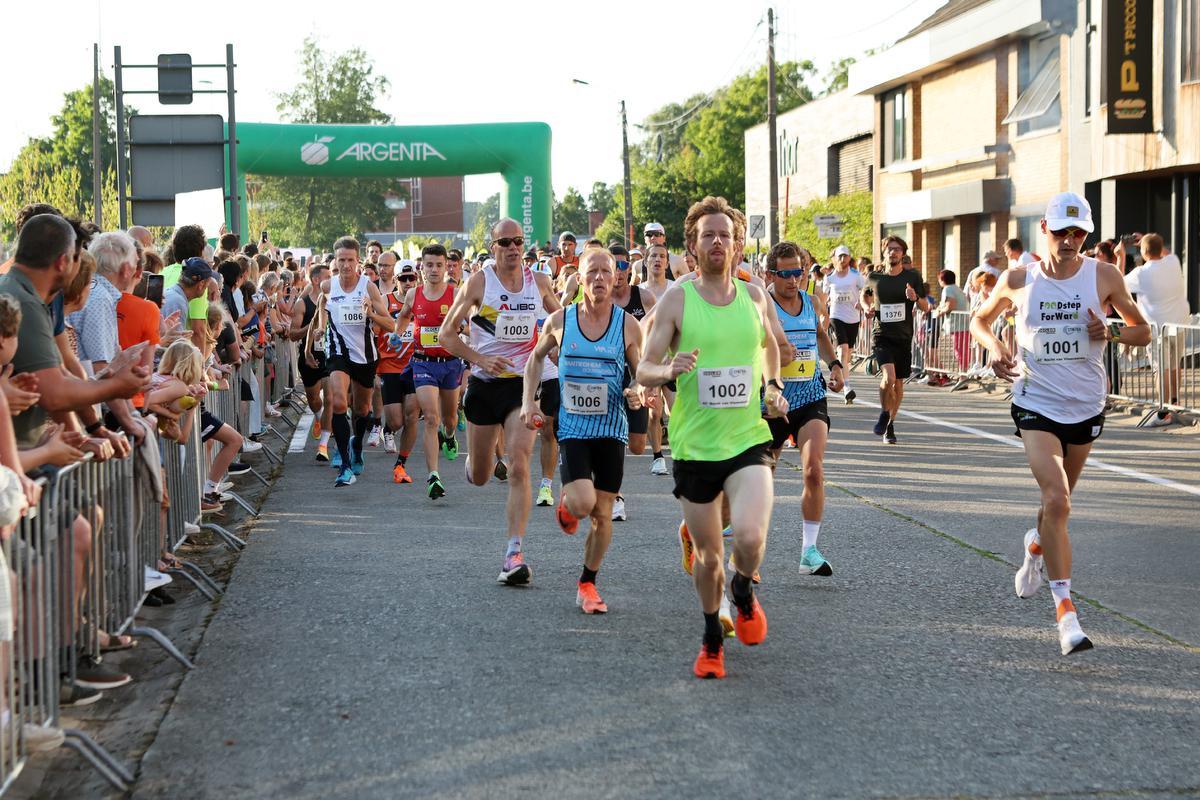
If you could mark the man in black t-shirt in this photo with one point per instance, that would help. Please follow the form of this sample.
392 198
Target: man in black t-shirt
890 296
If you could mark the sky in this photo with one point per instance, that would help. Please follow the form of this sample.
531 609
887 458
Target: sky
448 62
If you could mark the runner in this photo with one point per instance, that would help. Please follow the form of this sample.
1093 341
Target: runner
348 302
807 421
437 373
380 432
1059 383
566 256
892 295
313 372
400 408
502 303
657 281
844 287
548 401
720 331
597 341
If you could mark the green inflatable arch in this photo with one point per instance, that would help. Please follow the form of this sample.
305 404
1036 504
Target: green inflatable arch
519 151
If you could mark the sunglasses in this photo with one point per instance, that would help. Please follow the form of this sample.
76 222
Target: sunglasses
1074 233
622 265
788 273
510 240
407 278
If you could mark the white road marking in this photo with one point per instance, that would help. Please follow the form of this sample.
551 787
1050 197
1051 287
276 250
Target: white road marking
301 433
1094 462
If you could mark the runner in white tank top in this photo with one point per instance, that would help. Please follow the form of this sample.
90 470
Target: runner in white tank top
1060 385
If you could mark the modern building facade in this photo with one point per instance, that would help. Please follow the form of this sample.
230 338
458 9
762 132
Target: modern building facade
435 208
989 107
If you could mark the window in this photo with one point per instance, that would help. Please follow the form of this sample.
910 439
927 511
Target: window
416 197
1030 233
949 246
1038 81
895 122
1189 44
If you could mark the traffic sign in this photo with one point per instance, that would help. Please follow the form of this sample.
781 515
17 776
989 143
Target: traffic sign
826 219
757 227
829 231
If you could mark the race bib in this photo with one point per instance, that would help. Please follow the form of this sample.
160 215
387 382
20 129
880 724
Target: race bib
429 336
585 398
843 299
802 368
350 315
1056 344
515 328
727 387
893 312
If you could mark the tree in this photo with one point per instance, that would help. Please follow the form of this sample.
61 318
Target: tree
336 87
571 214
489 215
838 77
857 227
602 198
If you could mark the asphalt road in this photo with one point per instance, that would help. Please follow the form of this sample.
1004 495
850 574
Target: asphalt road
363 648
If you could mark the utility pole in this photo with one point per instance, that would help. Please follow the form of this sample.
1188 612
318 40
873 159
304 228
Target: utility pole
119 105
773 149
628 186
235 207
97 161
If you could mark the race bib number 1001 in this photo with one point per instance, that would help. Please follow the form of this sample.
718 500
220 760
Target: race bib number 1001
727 387
515 327
1053 344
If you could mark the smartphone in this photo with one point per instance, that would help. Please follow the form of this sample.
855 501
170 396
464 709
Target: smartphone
154 289
303 261
264 236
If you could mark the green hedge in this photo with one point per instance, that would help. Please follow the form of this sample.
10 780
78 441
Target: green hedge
857 228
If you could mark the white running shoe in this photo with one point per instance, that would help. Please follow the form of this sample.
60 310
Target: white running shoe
1071 638
1033 569
375 436
618 514
154 579
249 446
659 467
389 441
726 614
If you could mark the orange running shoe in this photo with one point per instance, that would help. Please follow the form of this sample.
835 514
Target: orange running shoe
566 520
689 549
400 474
710 663
589 600
322 452
751 628
316 429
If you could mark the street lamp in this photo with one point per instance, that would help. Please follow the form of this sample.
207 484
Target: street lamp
395 203
627 228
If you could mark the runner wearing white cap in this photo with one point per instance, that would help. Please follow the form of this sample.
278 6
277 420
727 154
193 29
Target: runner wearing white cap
1059 383
843 288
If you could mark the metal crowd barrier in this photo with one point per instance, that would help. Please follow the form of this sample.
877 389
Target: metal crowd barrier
1180 363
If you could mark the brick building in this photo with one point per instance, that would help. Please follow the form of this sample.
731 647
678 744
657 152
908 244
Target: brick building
435 207
989 107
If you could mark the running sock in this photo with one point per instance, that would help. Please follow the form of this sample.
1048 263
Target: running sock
810 532
514 546
341 434
1062 597
433 476
402 459
740 588
361 426
587 576
547 482
324 438
714 632
658 453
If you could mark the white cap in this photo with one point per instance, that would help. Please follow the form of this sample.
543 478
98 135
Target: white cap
489 262
841 250
654 227
633 250
1069 210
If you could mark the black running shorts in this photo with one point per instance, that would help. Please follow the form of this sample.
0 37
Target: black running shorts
490 402
395 386
602 461
702 481
1068 433
362 374
898 354
797 418
311 376
845 332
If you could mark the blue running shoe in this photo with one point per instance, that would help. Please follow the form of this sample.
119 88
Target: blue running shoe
345 477
356 461
881 425
462 420
813 563
336 461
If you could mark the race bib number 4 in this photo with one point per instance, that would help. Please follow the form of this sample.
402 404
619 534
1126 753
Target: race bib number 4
1056 344
350 315
429 336
585 398
893 312
802 368
515 328
728 387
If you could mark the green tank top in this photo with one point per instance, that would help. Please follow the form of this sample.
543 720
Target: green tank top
717 413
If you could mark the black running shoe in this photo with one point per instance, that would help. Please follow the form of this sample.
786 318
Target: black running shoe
238 468
882 424
889 435
501 470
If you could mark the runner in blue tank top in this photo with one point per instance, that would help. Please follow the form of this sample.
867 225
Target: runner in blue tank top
807 420
595 340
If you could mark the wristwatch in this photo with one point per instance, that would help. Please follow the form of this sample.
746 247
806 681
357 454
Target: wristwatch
775 383
835 363
1114 332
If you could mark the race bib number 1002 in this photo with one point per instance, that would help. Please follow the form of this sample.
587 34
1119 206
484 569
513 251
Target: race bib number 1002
727 387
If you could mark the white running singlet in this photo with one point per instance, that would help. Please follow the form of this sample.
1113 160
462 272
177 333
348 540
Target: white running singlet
843 293
506 324
1061 369
349 335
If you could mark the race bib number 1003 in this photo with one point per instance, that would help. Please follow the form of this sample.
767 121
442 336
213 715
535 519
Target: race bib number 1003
515 328
727 387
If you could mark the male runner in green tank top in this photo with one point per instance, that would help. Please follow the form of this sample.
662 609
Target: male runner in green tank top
720 332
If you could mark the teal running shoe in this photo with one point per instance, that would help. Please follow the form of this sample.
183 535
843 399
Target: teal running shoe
813 563
345 477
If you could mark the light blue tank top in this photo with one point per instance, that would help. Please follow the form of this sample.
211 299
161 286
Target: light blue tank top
590 380
802 380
